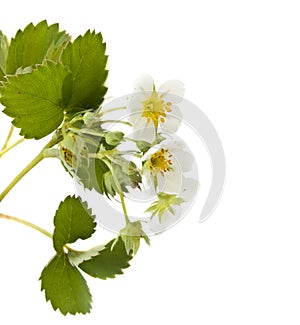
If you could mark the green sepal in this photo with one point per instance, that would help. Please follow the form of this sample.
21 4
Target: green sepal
143 146
165 202
131 235
114 138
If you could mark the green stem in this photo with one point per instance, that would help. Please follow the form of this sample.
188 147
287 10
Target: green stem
33 226
120 192
111 110
116 121
32 164
86 131
10 132
7 148
27 223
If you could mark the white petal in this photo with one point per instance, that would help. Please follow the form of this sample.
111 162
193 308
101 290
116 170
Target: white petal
172 182
134 105
171 124
140 96
189 189
172 87
185 159
144 83
143 130
176 111
134 118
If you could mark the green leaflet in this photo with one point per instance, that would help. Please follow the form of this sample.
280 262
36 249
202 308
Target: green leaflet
65 287
3 54
86 59
109 262
34 44
34 99
72 221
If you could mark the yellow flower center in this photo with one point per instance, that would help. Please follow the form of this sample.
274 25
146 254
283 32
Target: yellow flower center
160 161
155 108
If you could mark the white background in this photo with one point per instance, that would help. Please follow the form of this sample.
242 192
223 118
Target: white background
240 61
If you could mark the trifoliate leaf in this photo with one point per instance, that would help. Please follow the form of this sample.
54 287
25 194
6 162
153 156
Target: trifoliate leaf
34 100
109 262
72 221
86 59
4 45
34 44
65 287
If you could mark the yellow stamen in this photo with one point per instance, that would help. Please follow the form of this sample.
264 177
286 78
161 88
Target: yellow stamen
155 108
160 161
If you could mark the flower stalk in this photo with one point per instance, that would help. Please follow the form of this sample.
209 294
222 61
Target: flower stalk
43 154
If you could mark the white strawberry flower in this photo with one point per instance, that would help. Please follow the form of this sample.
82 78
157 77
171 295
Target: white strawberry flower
166 171
165 165
151 109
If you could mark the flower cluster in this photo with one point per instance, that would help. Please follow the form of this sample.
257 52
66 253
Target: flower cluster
145 156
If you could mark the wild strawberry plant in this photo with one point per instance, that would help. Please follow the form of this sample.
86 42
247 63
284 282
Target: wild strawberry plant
53 86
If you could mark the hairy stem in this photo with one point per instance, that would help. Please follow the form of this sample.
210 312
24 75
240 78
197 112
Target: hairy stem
7 148
10 132
32 164
120 192
32 226
116 121
101 113
27 223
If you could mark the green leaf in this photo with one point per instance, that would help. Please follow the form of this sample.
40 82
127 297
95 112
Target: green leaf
86 59
72 221
109 262
34 99
34 44
65 287
4 45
